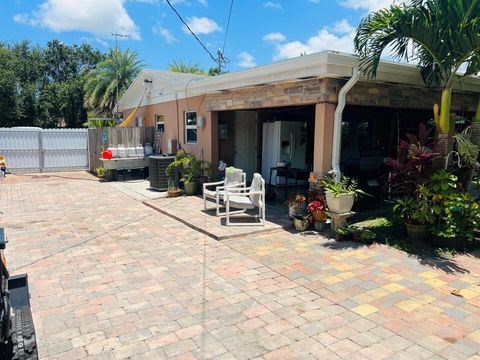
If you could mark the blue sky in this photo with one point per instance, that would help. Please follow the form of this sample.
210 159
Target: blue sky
260 31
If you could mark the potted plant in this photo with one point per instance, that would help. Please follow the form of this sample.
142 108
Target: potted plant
457 213
189 167
101 172
296 203
302 220
416 212
341 195
316 209
173 190
344 234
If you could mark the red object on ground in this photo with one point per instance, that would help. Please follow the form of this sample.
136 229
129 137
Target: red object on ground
106 154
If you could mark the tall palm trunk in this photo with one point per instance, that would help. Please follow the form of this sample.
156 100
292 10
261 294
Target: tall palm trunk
444 138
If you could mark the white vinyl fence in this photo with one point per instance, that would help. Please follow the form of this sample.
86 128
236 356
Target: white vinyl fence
37 150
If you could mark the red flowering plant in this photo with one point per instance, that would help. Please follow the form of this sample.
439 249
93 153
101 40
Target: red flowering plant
414 164
315 207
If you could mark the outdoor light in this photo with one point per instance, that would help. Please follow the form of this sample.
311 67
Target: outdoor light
147 82
201 121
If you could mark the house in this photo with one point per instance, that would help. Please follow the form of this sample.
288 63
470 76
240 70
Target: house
224 117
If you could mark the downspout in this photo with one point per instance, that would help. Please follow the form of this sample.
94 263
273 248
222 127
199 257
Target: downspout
337 123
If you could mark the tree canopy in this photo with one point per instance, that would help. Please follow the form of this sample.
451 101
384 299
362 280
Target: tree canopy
441 36
42 86
101 84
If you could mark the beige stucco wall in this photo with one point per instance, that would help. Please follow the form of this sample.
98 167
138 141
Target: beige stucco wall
173 112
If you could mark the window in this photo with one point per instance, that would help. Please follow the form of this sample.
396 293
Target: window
160 122
190 127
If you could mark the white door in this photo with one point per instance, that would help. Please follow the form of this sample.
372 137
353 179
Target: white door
245 155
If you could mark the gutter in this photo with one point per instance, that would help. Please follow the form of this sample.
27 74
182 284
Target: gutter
337 123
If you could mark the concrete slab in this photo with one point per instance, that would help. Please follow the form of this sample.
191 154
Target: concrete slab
189 210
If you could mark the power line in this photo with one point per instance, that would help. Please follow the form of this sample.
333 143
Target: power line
228 25
191 31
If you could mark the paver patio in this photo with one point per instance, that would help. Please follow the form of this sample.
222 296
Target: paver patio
112 279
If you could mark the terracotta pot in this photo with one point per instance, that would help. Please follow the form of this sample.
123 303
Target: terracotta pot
457 243
417 232
319 216
174 193
340 204
301 224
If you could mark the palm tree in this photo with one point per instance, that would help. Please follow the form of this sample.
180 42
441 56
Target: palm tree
181 66
439 35
101 86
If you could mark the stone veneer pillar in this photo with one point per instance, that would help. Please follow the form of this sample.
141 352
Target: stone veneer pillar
323 139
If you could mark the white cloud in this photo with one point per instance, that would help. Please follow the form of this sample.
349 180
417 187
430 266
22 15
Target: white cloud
202 25
325 39
246 60
343 27
165 33
314 1
272 5
100 18
370 5
203 2
274 37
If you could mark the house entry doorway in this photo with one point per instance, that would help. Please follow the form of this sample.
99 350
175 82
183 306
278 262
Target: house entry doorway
245 148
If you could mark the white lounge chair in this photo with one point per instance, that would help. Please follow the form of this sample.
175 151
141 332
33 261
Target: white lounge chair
247 198
233 178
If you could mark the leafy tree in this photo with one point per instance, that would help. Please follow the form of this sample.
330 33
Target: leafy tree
39 86
439 35
183 67
101 84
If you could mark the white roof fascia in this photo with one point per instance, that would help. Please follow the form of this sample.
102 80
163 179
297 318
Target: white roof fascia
319 65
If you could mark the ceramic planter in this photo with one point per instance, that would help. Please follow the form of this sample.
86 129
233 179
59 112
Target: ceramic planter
417 232
301 224
191 188
457 243
339 204
319 225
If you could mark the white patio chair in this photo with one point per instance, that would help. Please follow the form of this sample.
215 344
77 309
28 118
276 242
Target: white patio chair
247 198
233 178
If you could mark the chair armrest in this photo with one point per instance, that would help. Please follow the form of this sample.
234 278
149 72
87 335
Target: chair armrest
213 184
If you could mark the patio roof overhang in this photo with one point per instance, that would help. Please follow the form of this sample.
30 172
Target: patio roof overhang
326 64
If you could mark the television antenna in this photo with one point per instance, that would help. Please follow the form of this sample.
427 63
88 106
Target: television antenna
117 36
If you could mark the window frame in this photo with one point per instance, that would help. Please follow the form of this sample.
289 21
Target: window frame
157 122
190 127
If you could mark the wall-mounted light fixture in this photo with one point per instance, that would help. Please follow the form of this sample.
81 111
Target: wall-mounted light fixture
201 121
147 82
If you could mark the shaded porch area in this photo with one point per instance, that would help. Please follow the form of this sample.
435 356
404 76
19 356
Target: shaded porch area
189 211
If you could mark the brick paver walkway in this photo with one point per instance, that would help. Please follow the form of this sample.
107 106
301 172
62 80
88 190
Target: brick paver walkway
114 279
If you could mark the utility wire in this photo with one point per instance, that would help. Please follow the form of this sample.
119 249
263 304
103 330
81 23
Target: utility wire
191 31
228 25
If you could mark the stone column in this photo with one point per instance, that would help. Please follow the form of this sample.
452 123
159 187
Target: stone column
323 138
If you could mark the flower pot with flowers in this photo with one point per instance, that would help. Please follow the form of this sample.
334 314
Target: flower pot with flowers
296 204
317 206
316 209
